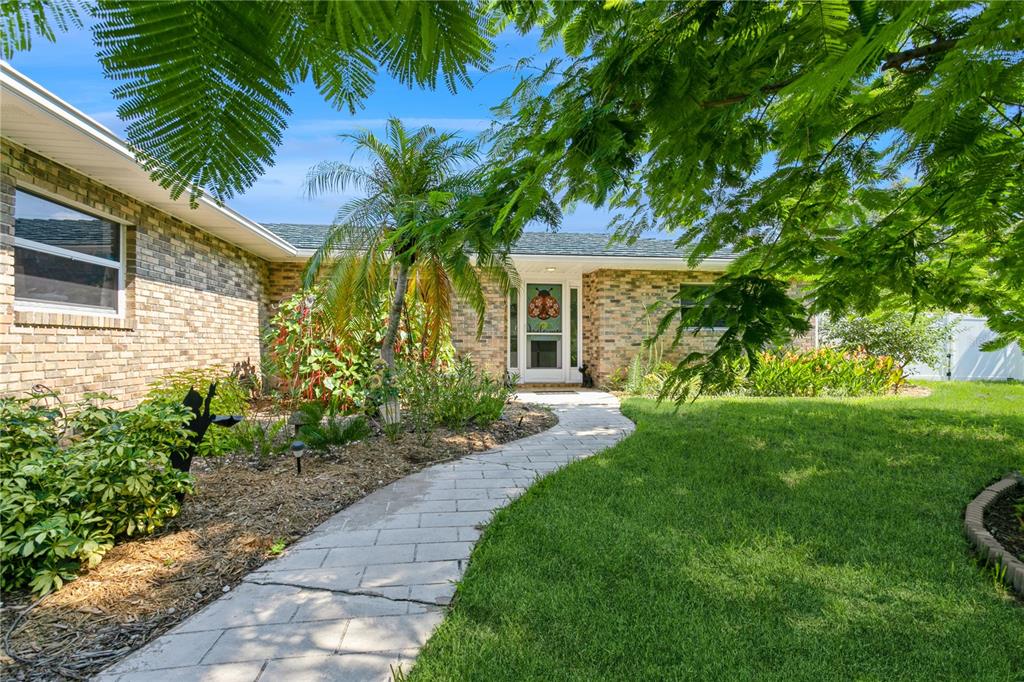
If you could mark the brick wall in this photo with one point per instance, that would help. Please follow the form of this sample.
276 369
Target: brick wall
192 299
489 350
615 318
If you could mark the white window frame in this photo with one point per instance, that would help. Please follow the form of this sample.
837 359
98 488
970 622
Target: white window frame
28 305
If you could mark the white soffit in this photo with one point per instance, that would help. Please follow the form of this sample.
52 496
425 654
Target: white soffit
38 120
577 265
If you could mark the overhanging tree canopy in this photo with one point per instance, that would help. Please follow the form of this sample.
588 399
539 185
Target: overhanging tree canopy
874 150
204 83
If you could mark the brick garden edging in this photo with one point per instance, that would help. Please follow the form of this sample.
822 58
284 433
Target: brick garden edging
991 551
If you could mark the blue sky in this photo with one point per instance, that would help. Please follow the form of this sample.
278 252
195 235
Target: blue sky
69 68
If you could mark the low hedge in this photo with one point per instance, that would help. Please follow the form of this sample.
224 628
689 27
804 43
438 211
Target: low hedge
825 371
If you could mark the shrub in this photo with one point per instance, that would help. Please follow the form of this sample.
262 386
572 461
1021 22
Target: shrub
325 428
900 335
262 441
639 378
72 485
232 397
453 396
315 360
826 371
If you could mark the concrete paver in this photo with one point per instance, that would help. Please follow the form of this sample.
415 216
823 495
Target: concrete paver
356 599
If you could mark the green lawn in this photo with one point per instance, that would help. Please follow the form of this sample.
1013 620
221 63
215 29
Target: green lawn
752 539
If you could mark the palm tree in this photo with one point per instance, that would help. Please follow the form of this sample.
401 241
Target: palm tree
422 227
204 85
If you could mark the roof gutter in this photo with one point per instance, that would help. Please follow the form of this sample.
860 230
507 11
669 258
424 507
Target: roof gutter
16 83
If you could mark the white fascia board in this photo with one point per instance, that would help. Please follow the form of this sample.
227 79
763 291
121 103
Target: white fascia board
46 103
590 263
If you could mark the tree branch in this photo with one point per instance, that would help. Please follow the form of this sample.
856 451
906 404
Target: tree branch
769 89
898 59
895 60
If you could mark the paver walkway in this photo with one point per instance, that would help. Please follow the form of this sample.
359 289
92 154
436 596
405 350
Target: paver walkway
363 591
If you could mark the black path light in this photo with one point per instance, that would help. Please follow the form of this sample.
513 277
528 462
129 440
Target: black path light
298 448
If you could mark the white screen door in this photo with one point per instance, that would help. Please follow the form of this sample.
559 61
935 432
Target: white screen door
546 316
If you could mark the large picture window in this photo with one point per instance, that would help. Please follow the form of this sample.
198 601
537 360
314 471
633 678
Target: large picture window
65 258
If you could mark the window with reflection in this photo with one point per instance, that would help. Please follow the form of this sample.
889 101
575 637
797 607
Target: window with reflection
64 257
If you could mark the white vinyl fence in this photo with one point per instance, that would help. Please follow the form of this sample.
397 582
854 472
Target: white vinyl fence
965 361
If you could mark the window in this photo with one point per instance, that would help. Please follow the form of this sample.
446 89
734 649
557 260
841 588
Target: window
513 328
65 258
688 295
574 331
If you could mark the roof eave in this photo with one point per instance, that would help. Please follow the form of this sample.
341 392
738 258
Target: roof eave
57 126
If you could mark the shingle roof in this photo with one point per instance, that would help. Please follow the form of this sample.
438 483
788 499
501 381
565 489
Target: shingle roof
530 244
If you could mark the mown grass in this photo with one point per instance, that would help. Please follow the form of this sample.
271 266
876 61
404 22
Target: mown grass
744 539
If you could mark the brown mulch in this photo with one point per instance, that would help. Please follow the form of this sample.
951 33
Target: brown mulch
1006 526
239 511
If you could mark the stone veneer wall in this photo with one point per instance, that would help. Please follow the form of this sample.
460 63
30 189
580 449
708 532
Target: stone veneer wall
192 300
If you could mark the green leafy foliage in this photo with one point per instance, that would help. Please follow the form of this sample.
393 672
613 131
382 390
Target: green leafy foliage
872 150
324 428
452 396
263 441
906 337
640 377
71 486
232 397
204 86
315 359
20 19
822 372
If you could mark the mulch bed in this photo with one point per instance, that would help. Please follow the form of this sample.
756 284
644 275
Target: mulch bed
1002 521
239 511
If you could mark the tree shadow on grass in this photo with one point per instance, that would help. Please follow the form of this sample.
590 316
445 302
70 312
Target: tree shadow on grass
785 539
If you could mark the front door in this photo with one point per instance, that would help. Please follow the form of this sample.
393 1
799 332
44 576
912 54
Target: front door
545 333
544 321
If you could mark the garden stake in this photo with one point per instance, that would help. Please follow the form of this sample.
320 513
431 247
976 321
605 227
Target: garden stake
297 447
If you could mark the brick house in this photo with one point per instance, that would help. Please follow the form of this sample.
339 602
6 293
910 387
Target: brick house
106 283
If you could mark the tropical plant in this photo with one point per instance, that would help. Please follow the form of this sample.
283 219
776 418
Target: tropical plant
452 396
204 86
825 371
333 430
263 441
423 227
905 337
872 150
231 397
72 483
313 359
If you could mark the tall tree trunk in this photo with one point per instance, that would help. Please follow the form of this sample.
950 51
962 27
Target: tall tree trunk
387 347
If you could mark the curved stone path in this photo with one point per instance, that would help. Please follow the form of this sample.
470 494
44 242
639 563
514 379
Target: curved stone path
365 589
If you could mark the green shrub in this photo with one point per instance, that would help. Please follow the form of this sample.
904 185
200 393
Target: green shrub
826 371
315 360
453 396
72 486
325 428
904 336
639 377
262 441
232 397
